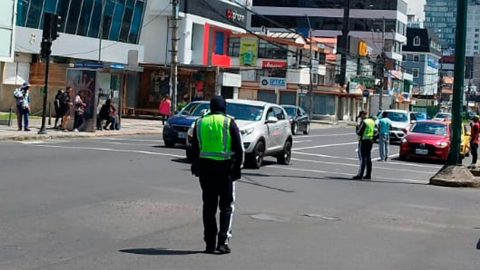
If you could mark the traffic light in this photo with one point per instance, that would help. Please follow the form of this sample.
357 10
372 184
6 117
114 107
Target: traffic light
51 26
46 49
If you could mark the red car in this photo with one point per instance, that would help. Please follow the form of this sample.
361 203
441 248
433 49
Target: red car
426 139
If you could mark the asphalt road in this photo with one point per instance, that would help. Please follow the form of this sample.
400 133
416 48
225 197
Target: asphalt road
129 203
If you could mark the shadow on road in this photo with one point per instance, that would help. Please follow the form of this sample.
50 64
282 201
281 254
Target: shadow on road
181 160
478 245
255 183
159 251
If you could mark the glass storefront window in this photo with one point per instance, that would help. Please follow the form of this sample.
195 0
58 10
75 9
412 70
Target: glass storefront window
136 22
85 17
34 13
122 19
117 20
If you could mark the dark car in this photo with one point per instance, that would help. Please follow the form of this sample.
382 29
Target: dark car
176 128
299 118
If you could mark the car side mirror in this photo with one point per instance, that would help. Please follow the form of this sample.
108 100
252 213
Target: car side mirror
272 120
203 112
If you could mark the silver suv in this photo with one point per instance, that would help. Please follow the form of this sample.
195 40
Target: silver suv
265 129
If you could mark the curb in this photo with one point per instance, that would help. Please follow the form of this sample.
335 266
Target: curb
77 135
455 176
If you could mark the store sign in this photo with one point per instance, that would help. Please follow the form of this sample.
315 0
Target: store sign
362 48
234 15
432 62
231 79
248 51
274 64
273 83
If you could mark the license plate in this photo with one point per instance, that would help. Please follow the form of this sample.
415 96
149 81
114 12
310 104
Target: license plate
182 135
421 151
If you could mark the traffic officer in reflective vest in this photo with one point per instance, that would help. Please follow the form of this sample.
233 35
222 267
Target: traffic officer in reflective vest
218 157
365 143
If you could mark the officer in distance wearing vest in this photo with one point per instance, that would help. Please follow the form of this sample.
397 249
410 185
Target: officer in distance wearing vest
365 143
218 157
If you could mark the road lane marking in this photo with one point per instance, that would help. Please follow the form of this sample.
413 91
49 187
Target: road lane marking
329 135
129 140
349 174
110 150
302 141
356 159
356 165
324 146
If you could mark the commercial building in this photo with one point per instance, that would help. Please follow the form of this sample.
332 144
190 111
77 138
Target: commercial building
422 54
99 34
205 27
326 20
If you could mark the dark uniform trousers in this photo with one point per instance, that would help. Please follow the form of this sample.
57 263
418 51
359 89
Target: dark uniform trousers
365 156
217 191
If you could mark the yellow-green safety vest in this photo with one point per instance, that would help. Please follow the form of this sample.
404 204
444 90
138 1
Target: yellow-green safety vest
369 129
213 132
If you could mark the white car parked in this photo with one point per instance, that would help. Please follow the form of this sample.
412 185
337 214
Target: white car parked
265 129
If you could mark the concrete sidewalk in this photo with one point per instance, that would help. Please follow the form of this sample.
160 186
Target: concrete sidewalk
129 127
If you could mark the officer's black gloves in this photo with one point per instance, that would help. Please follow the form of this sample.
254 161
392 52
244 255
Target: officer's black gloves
195 168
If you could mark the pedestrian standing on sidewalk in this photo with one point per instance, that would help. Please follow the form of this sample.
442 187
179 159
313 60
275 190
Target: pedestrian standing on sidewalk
384 127
66 104
218 156
58 107
22 97
79 110
474 134
164 108
365 137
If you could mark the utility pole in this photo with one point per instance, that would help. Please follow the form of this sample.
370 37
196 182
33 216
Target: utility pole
174 53
440 83
310 90
458 84
344 48
385 82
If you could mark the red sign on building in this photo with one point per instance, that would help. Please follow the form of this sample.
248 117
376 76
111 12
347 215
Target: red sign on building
274 64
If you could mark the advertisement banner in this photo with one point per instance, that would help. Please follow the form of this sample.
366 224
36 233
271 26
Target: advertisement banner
248 51
83 83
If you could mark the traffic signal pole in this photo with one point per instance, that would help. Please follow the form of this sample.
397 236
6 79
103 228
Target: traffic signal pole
458 84
51 27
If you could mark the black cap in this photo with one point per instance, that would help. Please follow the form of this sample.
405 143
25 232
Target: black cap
362 112
218 105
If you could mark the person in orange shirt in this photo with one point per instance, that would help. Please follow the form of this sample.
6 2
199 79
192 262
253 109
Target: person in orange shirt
164 108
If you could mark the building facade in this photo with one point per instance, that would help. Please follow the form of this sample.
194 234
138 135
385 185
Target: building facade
440 17
106 32
422 54
326 20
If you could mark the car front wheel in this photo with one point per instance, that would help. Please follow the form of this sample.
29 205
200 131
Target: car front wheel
307 129
286 155
256 158
294 129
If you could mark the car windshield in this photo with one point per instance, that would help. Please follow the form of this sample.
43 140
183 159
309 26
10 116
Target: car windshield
443 115
291 111
430 128
420 116
397 116
245 112
195 109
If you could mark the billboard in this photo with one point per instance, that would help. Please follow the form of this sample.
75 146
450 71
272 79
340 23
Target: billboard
7 27
248 51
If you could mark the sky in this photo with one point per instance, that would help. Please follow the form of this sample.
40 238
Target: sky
416 7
